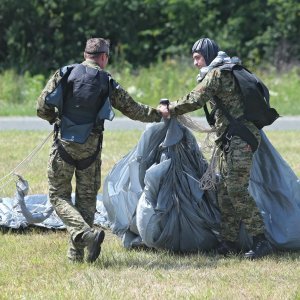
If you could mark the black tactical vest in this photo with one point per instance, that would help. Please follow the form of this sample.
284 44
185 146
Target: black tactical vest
87 90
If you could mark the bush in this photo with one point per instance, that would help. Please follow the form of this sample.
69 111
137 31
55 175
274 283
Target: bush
40 35
18 93
171 79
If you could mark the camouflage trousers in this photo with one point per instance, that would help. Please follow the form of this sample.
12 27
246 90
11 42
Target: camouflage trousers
79 216
236 204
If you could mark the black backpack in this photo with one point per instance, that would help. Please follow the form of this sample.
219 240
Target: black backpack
256 97
257 108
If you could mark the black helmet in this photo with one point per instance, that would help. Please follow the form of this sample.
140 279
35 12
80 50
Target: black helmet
207 48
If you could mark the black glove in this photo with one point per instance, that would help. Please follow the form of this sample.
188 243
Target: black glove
164 101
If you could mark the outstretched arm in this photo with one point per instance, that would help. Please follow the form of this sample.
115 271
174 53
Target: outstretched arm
121 100
196 99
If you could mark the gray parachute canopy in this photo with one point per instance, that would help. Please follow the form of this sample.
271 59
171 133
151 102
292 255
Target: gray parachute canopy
35 210
153 198
153 193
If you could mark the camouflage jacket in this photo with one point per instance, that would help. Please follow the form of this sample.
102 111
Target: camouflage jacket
120 99
220 83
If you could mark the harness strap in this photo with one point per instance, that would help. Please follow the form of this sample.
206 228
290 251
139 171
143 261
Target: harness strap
236 128
210 117
80 164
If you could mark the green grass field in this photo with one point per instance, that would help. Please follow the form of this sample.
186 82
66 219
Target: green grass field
33 263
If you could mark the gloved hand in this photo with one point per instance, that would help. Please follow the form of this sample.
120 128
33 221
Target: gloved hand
163 108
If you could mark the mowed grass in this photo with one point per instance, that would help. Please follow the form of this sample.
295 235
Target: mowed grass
33 263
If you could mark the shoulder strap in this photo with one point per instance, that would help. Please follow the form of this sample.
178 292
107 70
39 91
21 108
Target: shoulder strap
210 116
236 127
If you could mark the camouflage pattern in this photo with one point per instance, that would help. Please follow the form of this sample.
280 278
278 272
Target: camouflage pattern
235 202
218 83
43 110
79 217
121 100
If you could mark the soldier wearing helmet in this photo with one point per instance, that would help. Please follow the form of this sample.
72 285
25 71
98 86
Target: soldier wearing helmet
204 51
237 140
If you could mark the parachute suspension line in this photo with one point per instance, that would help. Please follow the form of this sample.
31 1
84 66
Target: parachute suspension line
208 144
210 178
24 162
194 125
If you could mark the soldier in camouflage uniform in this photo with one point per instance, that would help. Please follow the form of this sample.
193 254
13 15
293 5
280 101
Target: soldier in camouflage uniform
235 203
79 217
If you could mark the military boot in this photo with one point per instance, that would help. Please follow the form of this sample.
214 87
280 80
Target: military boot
227 248
93 240
261 247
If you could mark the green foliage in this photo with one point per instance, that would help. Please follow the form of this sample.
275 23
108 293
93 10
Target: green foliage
18 93
171 78
284 91
41 35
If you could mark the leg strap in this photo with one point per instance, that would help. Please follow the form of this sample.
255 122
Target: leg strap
78 164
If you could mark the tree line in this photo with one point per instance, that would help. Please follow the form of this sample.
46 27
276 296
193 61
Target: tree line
41 35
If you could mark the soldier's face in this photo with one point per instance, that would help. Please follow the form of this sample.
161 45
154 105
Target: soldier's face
199 60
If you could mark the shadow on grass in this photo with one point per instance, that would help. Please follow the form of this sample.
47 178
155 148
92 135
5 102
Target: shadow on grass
30 229
115 257
152 259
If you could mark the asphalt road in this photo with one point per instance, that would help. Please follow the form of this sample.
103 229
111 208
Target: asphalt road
34 123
